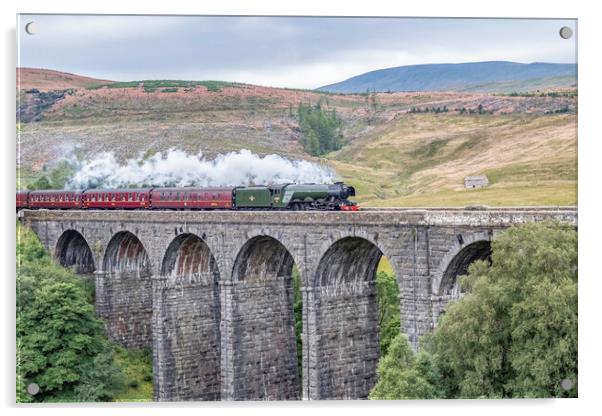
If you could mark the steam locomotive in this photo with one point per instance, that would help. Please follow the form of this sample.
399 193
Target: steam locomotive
298 197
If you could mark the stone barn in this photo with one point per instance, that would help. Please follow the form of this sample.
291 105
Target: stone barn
473 182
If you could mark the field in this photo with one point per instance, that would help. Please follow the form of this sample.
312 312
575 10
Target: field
422 159
395 152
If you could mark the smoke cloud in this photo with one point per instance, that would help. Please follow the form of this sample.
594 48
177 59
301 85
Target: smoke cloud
178 168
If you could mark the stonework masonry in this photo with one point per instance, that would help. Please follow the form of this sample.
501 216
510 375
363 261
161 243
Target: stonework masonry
211 291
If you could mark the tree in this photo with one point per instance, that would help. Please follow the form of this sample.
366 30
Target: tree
41 183
402 375
387 293
321 129
514 333
60 342
61 174
62 346
298 312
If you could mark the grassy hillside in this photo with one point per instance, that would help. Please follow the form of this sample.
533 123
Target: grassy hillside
47 80
395 152
422 159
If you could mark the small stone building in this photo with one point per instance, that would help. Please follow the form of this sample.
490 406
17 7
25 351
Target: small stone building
478 181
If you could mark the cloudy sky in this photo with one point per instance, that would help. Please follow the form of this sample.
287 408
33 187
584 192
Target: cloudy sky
295 52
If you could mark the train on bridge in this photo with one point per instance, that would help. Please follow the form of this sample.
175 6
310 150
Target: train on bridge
297 197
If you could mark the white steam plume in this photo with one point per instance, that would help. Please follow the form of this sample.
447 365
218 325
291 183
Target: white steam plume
177 168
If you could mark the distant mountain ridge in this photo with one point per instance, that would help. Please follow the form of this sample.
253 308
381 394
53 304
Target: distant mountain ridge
491 76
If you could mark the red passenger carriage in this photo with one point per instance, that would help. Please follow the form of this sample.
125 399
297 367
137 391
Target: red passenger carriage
116 198
192 198
55 199
22 199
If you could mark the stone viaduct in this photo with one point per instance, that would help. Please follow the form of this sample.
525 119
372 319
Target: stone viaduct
211 293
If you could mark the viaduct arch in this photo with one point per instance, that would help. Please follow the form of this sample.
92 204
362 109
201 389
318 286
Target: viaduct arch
72 251
187 320
348 347
124 291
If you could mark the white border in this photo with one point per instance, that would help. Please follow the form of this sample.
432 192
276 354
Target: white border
590 141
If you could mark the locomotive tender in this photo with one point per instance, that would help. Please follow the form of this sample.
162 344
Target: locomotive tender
288 196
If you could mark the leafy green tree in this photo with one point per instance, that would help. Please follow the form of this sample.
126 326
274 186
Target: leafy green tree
60 342
387 293
298 312
62 346
514 333
402 375
41 183
61 174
